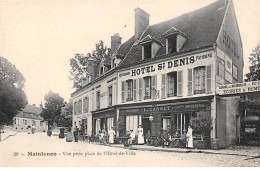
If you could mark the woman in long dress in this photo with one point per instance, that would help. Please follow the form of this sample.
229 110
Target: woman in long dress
140 135
189 137
111 135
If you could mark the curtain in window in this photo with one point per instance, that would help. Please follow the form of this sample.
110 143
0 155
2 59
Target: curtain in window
199 75
147 86
132 123
130 89
166 122
110 123
97 126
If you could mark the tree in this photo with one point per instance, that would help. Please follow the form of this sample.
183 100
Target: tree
12 96
81 64
66 114
52 110
201 123
254 69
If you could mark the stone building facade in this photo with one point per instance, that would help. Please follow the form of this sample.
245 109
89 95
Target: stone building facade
167 73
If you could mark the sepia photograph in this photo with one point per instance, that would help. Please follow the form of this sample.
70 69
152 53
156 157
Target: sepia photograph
120 83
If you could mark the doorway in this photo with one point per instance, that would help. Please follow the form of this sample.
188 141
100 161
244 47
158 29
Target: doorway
146 125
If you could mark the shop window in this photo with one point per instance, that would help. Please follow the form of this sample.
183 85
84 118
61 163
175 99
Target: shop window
110 96
110 123
221 68
199 80
172 43
25 122
85 104
166 122
98 99
147 87
147 51
129 90
172 84
33 123
235 76
132 123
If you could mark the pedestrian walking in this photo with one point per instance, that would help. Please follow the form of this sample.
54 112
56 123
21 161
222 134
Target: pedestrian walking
29 129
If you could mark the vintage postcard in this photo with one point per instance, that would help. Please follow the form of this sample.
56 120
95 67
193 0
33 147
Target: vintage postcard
113 83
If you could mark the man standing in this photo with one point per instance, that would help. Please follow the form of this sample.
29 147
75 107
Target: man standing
132 137
76 134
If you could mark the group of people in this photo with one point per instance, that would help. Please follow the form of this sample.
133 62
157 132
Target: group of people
31 129
165 138
107 137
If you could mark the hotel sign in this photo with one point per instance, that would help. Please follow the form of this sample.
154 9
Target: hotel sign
237 88
168 108
170 64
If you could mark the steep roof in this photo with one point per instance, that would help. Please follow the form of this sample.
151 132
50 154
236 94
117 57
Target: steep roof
32 109
201 26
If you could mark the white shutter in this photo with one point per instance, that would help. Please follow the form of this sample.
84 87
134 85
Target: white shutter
135 89
163 86
209 78
141 88
190 82
179 83
154 86
123 91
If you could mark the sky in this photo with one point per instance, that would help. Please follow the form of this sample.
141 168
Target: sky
40 36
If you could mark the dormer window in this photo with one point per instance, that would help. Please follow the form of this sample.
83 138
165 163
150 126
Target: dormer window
101 70
172 44
150 47
113 63
175 39
147 51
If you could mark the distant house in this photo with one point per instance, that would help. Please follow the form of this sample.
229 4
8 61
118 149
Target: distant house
29 116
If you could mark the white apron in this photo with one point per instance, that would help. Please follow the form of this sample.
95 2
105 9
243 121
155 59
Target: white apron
190 138
140 136
111 136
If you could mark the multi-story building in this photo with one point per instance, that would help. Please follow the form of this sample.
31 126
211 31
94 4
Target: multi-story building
29 116
167 73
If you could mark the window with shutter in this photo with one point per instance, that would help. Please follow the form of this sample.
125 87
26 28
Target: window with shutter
129 87
172 84
135 90
140 88
154 86
189 81
163 86
147 87
179 83
209 77
123 92
199 80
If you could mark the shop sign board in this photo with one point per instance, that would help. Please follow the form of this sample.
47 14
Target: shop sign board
238 88
228 77
190 107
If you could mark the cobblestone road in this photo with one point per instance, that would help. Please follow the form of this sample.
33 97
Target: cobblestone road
32 150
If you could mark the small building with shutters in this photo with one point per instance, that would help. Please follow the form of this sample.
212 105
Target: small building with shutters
168 72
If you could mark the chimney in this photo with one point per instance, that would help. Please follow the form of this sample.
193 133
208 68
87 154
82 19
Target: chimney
141 22
115 42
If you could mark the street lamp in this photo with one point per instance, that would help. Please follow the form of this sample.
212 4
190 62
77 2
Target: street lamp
151 117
